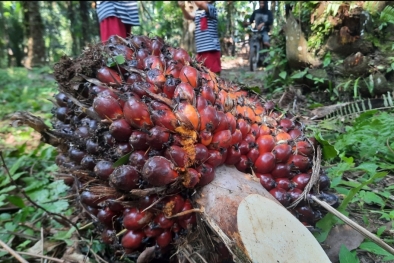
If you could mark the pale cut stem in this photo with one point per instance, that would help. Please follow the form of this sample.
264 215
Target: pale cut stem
354 225
12 252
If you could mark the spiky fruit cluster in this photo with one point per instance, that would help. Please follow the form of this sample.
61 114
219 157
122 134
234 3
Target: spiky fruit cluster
148 124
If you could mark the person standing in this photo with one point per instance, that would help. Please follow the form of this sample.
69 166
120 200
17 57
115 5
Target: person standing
263 19
117 18
206 34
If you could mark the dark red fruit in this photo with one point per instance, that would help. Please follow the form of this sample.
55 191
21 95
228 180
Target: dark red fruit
301 180
137 113
138 159
265 163
139 140
162 221
184 91
267 181
106 217
159 171
107 107
283 183
164 239
201 153
233 155
281 170
135 219
192 178
265 143
133 239
156 77
120 130
109 76
282 152
108 236
125 178
299 162
304 148
243 164
177 155
281 195
221 139
207 174
157 137
189 75
169 86
153 231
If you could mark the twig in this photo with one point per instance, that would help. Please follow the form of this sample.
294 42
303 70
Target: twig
12 252
30 200
40 256
354 225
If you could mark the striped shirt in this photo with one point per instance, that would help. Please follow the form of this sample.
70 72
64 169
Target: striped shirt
206 33
127 11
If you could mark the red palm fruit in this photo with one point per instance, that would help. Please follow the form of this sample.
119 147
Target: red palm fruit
222 99
223 122
189 222
189 75
137 113
184 91
173 68
139 140
91 211
233 155
109 141
188 115
250 138
209 118
299 162
133 239
266 143
286 124
255 130
253 154
177 155
244 147
139 41
157 105
108 92
156 77
181 55
88 162
159 171
140 88
115 205
214 159
61 99
164 118
170 85
157 137
224 153
172 205
146 202
162 221
243 165
304 148
305 214
267 181
324 182
93 199
201 103
140 56
177 139
243 126
282 137
265 163
313 141
281 195
106 217
249 114
107 107
108 236
295 133
301 180
294 194
207 174
281 170
282 152
138 159
191 179
152 231
205 137
120 130
156 47
208 94
103 169
201 153
221 139
124 178
164 239
122 148
76 155
236 137
186 207
135 219
153 62
232 121
283 183
108 76
264 130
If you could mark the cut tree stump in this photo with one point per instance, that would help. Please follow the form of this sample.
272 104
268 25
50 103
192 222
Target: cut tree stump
253 225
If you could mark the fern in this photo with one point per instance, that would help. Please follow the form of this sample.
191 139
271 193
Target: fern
387 15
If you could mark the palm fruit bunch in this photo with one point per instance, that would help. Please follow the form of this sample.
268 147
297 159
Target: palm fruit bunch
143 125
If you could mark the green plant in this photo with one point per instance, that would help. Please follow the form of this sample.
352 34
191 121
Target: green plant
386 16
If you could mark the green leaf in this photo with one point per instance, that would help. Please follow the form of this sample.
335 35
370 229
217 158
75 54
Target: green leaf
374 248
120 59
345 256
17 164
283 74
380 230
122 160
299 75
329 151
64 236
370 198
16 200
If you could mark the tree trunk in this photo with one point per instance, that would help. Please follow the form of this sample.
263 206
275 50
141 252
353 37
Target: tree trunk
73 27
188 42
85 22
35 31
